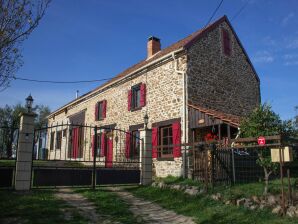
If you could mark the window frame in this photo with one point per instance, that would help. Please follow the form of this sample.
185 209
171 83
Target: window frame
136 97
169 138
99 145
135 145
58 140
52 140
100 110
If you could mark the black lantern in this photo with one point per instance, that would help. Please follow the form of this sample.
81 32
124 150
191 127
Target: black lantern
29 102
146 118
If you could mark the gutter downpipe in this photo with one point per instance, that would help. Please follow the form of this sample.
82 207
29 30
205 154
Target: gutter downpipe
185 132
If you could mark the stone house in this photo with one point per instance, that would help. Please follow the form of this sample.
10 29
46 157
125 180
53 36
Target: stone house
195 89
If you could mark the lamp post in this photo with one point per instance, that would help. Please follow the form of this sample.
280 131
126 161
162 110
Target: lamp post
146 118
29 102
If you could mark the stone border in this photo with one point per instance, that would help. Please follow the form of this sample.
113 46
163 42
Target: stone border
270 202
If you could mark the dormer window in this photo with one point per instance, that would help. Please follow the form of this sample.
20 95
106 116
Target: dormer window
226 42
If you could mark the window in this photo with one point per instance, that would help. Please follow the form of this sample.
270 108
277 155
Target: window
101 145
166 139
64 133
226 42
136 96
135 146
58 139
100 110
52 140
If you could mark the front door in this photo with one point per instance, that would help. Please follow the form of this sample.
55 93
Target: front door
109 155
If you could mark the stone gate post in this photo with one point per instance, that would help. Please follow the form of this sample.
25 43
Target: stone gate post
24 152
146 157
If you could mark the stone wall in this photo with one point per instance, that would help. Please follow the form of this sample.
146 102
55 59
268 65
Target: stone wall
164 101
220 82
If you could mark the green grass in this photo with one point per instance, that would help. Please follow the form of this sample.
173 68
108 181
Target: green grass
204 210
250 189
7 162
38 207
47 163
110 205
179 180
235 191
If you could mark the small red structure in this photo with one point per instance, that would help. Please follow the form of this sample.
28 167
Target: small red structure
261 140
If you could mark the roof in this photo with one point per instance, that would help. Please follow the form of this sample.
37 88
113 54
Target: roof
225 117
181 44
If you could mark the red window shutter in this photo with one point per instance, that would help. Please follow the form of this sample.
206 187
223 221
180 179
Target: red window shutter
226 42
104 109
127 145
154 142
143 95
103 145
176 128
93 145
129 100
96 112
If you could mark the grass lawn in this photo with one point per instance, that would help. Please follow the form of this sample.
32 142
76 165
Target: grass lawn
47 163
235 191
38 207
110 205
205 210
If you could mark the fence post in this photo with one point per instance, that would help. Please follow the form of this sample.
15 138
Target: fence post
233 166
146 157
94 148
24 152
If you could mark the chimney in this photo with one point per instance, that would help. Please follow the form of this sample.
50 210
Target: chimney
153 46
77 94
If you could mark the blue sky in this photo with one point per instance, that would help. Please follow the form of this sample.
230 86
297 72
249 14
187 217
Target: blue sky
93 39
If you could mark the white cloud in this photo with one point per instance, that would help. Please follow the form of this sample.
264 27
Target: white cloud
290 59
263 57
292 43
269 41
286 19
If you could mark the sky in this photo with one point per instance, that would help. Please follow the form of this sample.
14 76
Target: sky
95 39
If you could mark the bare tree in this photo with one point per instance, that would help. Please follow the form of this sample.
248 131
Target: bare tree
18 18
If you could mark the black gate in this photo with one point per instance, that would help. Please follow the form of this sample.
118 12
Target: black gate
81 155
8 152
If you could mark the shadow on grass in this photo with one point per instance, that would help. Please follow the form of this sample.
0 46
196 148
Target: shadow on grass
38 207
110 205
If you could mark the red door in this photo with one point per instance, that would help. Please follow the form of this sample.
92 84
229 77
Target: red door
109 155
75 143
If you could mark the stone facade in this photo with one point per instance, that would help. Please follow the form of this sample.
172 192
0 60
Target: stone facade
225 83
220 82
164 101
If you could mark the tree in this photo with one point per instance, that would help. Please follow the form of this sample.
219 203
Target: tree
42 113
18 18
10 121
263 121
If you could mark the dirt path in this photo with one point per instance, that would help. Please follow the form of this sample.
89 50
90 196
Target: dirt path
85 208
150 212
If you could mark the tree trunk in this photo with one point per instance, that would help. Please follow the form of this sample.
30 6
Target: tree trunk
266 178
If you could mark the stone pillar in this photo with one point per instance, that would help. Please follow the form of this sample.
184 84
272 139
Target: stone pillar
146 157
24 152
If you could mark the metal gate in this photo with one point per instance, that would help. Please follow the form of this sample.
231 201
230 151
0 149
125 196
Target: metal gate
81 155
212 164
8 152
